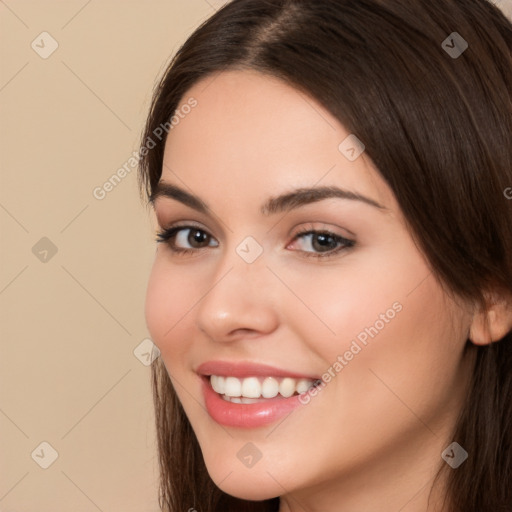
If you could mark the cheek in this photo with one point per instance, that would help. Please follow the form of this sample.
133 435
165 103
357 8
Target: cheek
342 302
398 372
385 315
170 298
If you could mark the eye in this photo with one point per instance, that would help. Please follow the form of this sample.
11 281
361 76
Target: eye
321 244
185 239
312 243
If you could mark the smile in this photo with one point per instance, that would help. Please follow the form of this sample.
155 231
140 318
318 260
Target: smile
241 411
256 389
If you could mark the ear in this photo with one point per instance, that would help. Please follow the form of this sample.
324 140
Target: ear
494 322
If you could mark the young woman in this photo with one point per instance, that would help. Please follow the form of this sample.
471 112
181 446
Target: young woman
332 290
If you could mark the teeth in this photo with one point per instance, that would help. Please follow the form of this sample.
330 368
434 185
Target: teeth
270 388
237 400
232 387
303 386
217 383
251 388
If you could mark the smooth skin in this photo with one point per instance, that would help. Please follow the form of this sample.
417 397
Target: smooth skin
372 438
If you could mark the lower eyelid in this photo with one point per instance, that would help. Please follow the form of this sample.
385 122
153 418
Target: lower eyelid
344 243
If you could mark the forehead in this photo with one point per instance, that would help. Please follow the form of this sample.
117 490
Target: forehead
254 133
254 110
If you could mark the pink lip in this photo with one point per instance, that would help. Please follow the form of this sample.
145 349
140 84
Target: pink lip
246 369
246 415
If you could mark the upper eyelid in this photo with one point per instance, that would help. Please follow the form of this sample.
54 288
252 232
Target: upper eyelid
162 214
160 210
301 231
196 224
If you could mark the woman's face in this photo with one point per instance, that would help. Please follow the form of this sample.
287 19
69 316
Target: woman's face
256 288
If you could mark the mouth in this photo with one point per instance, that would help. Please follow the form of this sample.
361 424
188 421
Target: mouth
256 389
253 401
246 394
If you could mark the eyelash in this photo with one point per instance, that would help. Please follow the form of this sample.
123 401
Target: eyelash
167 235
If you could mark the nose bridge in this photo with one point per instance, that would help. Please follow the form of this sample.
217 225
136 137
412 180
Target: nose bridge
237 297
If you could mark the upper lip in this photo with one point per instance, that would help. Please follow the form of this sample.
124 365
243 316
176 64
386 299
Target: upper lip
243 369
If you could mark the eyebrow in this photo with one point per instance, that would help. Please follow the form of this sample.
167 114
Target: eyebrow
283 203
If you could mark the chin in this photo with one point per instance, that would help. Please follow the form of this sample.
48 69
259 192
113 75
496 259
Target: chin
246 484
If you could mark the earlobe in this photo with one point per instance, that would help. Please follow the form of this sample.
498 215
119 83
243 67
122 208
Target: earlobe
492 324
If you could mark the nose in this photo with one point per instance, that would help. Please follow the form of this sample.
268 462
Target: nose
240 302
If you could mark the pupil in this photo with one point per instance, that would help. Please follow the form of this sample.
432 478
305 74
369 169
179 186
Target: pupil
197 237
325 241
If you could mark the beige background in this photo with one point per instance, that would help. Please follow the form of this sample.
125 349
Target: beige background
71 321
69 326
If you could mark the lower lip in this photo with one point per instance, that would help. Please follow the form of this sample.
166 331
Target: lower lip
246 415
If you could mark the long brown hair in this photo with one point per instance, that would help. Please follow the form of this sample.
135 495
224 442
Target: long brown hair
437 125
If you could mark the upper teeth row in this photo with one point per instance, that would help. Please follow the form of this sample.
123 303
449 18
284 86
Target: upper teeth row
254 387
